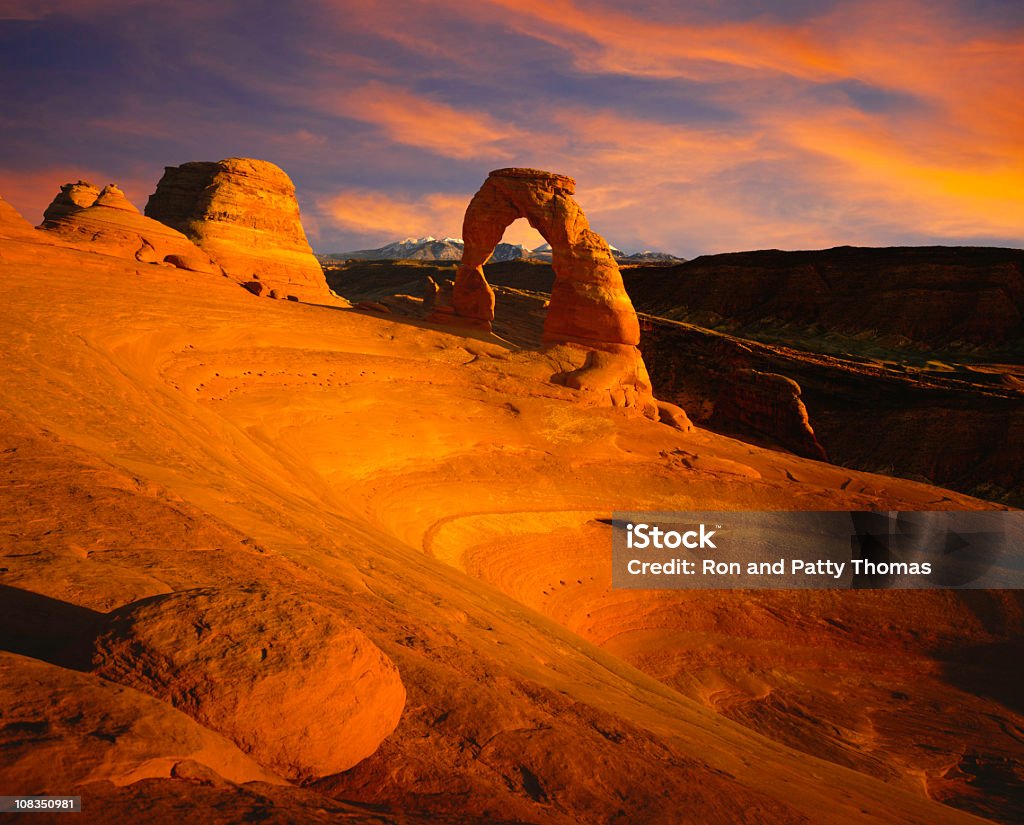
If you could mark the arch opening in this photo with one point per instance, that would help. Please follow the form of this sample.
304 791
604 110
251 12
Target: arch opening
589 304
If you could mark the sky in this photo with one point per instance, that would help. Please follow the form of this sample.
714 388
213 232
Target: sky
690 127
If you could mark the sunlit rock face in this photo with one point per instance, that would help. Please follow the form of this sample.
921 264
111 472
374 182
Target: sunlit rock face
12 224
292 684
107 222
244 214
99 731
589 304
193 475
589 310
72 197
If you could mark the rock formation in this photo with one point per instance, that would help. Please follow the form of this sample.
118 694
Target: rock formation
244 214
290 683
589 311
589 304
97 731
72 197
961 429
108 222
928 297
430 292
769 404
12 224
113 197
161 444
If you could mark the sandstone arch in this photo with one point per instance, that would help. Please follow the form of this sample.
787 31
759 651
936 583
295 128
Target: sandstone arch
591 331
589 304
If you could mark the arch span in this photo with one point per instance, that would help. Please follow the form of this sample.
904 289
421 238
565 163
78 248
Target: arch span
591 330
589 304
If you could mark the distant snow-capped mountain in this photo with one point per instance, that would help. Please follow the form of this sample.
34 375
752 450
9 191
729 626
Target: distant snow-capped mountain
415 249
450 249
649 256
432 249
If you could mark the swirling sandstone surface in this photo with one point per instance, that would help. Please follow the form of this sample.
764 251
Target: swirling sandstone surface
441 496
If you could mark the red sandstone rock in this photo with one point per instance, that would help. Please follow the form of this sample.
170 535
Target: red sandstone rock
673 415
291 683
57 722
12 224
431 291
589 306
71 198
113 197
112 225
769 404
510 716
588 302
622 375
244 214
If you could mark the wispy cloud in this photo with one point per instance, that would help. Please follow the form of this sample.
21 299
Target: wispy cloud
620 41
687 126
369 212
417 120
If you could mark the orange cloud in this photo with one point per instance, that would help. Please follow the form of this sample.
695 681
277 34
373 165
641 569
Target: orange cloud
945 190
390 218
869 122
622 42
418 121
948 162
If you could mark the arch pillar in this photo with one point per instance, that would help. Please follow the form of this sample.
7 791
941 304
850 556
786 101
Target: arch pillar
590 324
589 304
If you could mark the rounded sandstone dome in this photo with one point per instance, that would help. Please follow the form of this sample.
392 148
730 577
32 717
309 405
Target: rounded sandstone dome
290 682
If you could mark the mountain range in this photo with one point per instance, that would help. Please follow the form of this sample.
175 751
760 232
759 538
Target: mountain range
450 249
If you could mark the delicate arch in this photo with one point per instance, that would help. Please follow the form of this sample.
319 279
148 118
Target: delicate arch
589 304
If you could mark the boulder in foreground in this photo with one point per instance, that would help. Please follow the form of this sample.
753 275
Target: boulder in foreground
289 682
61 723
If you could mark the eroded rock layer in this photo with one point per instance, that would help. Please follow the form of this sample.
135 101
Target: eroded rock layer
925 297
244 214
72 197
111 224
769 404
